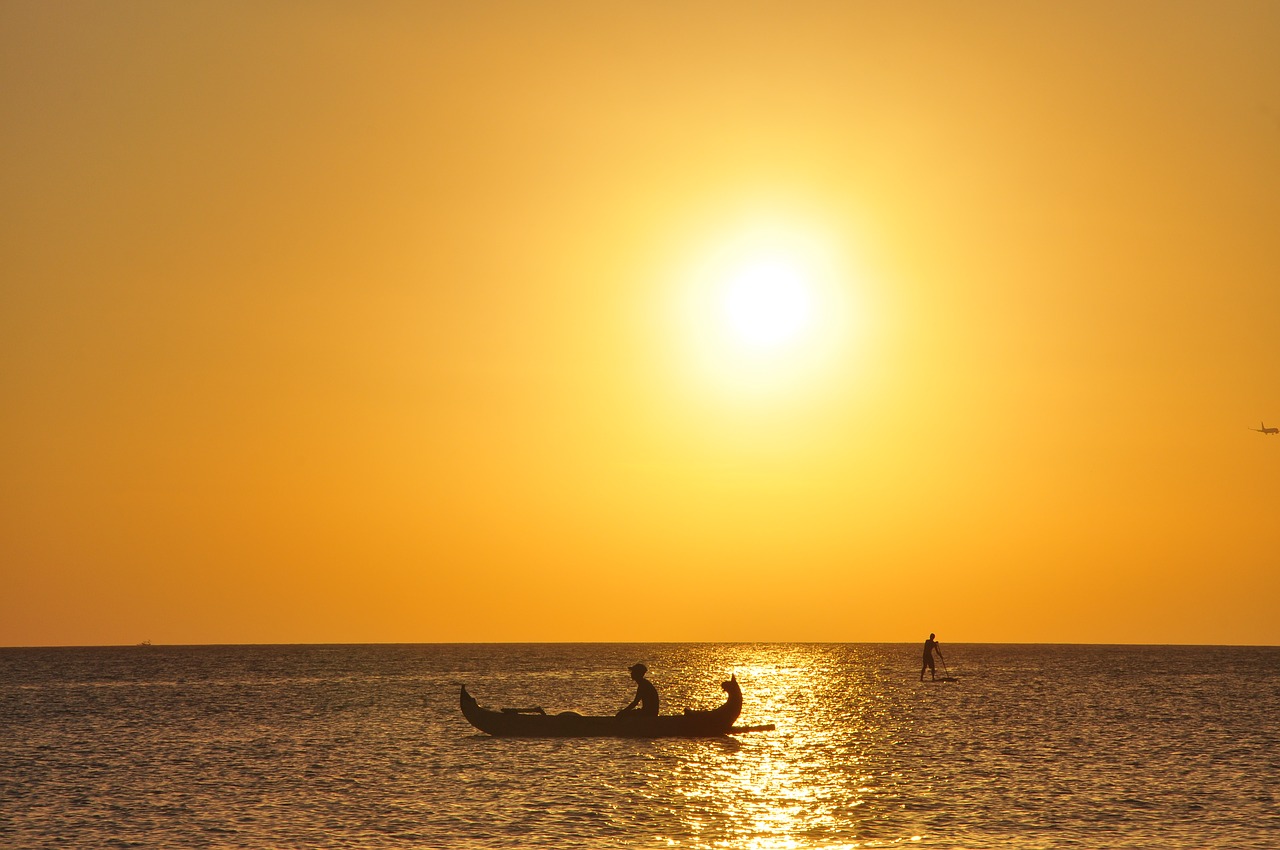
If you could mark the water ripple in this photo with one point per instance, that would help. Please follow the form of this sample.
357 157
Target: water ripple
363 747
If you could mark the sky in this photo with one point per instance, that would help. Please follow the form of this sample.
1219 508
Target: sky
740 321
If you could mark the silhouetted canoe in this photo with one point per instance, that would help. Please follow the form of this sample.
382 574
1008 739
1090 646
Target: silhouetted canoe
535 723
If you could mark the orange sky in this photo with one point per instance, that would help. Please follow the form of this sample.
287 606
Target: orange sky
399 322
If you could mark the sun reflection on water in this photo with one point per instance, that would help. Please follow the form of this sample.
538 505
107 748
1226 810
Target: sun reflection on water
808 784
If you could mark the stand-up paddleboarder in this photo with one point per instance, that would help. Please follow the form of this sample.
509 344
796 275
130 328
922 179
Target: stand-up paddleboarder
930 647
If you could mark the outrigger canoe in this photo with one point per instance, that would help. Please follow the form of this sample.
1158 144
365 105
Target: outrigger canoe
535 723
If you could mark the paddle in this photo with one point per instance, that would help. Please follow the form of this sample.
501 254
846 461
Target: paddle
946 674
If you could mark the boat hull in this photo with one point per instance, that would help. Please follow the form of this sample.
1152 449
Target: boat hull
570 724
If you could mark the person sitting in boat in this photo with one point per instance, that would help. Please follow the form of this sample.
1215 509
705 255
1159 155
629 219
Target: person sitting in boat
646 702
930 647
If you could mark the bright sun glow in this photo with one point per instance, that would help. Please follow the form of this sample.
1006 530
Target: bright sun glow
766 311
768 303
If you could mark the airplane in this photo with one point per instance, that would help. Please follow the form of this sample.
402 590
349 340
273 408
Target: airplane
1265 430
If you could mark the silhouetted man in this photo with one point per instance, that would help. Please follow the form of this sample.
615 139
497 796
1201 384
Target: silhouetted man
930 647
646 694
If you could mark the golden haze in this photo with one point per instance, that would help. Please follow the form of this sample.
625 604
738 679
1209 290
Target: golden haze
362 323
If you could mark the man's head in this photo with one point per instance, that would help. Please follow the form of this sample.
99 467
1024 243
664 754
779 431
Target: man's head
638 671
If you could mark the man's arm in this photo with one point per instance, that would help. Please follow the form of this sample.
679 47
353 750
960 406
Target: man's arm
633 704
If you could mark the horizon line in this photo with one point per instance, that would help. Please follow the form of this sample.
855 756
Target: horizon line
152 645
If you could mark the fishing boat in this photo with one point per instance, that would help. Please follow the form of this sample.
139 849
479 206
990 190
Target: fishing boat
536 723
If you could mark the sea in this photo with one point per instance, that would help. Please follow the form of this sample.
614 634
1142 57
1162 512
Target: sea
364 747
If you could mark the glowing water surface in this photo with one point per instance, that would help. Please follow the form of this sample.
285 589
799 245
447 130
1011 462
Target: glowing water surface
364 747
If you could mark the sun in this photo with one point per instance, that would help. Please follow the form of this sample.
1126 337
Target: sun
767 304
764 310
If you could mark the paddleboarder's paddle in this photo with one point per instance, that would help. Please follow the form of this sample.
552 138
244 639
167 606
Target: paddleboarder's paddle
947 677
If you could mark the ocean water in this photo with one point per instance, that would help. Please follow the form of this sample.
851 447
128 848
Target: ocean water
278 747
